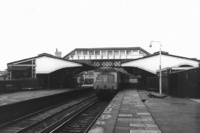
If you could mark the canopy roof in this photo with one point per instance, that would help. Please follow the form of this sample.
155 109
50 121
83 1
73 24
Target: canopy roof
151 63
44 64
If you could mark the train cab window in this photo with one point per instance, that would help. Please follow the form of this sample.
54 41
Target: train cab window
110 78
100 78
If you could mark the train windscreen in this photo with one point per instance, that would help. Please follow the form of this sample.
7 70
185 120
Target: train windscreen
105 78
110 78
100 78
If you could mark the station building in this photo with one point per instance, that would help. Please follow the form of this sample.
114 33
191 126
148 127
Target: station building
54 71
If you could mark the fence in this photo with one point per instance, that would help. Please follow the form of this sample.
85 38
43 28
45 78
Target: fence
185 83
152 84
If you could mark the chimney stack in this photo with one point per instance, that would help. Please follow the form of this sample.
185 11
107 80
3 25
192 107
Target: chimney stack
58 53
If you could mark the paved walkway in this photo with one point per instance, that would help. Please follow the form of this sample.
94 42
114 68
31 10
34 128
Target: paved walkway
173 114
125 114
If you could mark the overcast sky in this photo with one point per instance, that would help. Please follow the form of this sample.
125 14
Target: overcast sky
31 27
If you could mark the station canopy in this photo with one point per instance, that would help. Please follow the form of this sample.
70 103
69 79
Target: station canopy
44 64
152 62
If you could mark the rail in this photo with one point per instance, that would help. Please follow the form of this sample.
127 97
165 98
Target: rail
29 121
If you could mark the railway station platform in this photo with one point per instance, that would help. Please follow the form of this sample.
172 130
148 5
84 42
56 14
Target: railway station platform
17 104
134 111
11 98
126 113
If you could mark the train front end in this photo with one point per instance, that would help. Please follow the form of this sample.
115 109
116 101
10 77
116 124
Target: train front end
106 82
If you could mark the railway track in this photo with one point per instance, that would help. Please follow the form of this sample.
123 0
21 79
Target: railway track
80 121
38 121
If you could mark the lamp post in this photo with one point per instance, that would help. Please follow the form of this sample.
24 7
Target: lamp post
160 75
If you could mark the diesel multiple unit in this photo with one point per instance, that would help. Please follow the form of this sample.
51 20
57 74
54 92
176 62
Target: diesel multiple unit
107 81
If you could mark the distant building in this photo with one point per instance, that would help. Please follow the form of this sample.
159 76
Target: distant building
58 53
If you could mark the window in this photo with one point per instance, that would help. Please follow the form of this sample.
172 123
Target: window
78 52
91 52
141 53
109 52
103 53
135 52
97 52
72 54
128 52
116 52
100 78
110 78
84 52
122 52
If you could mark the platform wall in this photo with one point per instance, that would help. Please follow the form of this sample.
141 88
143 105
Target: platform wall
18 85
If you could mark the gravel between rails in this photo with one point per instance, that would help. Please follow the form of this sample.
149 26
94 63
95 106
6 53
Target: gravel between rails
54 118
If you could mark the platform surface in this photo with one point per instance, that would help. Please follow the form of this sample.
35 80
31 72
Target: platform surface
126 113
9 98
174 114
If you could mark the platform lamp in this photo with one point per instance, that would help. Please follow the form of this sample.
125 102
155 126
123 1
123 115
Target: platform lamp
160 75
